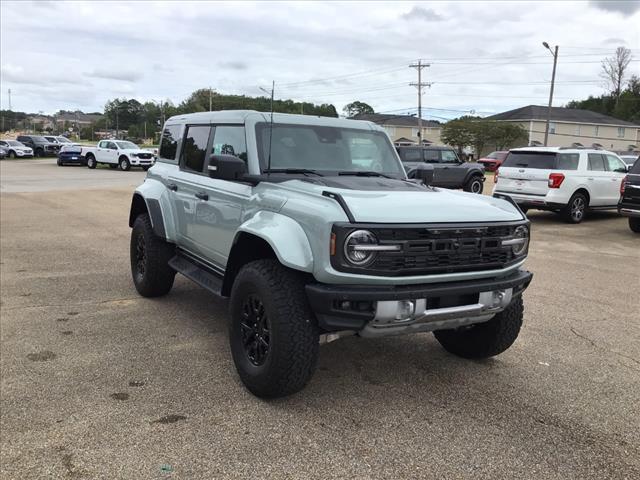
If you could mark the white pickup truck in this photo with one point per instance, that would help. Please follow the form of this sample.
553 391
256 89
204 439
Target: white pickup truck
118 153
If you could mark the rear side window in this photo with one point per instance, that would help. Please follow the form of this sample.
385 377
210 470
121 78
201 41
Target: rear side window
432 156
169 142
596 162
194 149
230 140
568 161
542 160
410 155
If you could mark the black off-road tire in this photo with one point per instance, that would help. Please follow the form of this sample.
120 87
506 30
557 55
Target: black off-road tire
59 162
91 161
12 154
292 338
39 152
150 255
634 224
474 185
124 164
486 339
576 209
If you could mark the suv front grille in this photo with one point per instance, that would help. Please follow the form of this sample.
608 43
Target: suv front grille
434 249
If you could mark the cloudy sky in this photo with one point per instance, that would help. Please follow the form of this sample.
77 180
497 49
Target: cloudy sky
485 56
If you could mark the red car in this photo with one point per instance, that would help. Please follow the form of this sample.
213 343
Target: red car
492 161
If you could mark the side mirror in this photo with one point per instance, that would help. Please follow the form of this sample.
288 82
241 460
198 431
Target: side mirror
424 173
226 167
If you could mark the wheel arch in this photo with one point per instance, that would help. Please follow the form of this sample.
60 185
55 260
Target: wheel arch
585 192
474 172
268 235
151 206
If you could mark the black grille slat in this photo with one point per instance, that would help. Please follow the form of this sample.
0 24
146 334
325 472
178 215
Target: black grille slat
443 250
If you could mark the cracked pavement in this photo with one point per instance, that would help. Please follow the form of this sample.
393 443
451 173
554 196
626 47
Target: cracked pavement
97 382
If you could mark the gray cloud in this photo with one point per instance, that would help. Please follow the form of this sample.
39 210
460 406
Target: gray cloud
423 14
614 41
116 73
234 65
625 7
18 75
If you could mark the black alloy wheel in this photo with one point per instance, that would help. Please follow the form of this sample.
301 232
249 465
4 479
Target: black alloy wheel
255 330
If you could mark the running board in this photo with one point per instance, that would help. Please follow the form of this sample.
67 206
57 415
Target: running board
198 273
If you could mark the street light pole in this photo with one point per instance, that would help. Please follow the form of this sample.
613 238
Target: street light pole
554 52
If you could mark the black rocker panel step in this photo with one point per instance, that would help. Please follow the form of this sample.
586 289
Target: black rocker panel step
198 273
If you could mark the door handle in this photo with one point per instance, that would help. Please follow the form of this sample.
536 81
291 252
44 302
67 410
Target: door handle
172 186
202 196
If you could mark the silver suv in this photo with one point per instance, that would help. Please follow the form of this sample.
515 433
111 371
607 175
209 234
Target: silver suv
311 228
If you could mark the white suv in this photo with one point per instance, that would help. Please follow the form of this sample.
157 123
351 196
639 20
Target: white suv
565 180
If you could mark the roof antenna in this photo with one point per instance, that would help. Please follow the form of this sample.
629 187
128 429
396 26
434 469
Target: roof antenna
273 87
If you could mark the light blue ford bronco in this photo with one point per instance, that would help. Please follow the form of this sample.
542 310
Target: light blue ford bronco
311 228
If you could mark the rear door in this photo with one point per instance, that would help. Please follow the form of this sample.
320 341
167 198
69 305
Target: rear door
187 185
526 172
616 171
598 180
433 156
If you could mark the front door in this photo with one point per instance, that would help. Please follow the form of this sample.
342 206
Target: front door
448 168
616 171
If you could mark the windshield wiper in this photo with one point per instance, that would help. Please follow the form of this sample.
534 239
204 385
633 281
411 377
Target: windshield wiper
304 171
364 173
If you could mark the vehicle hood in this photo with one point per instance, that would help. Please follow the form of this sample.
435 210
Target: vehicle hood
136 150
411 203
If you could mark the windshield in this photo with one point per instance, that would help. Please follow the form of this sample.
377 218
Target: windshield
15 143
542 160
39 139
127 145
327 149
64 140
51 139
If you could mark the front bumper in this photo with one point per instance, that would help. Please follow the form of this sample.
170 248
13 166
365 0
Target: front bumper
371 310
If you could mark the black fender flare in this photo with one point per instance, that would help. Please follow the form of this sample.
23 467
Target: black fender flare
474 172
139 205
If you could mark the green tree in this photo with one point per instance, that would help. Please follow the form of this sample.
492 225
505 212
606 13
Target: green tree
457 133
357 108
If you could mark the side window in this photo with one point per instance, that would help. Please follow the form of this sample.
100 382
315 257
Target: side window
228 140
614 164
596 162
111 146
568 161
194 149
102 144
410 155
449 157
431 156
169 142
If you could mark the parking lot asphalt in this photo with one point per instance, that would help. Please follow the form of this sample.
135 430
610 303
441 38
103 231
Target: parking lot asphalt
97 382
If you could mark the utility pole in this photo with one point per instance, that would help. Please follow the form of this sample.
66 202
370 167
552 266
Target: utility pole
9 91
117 123
209 98
554 52
419 66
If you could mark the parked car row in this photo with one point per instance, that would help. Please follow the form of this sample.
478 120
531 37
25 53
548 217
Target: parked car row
570 182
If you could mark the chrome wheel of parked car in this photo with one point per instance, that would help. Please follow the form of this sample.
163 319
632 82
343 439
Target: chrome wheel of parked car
575 210
124 164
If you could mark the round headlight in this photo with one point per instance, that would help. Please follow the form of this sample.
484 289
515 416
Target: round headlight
521 233
355 247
